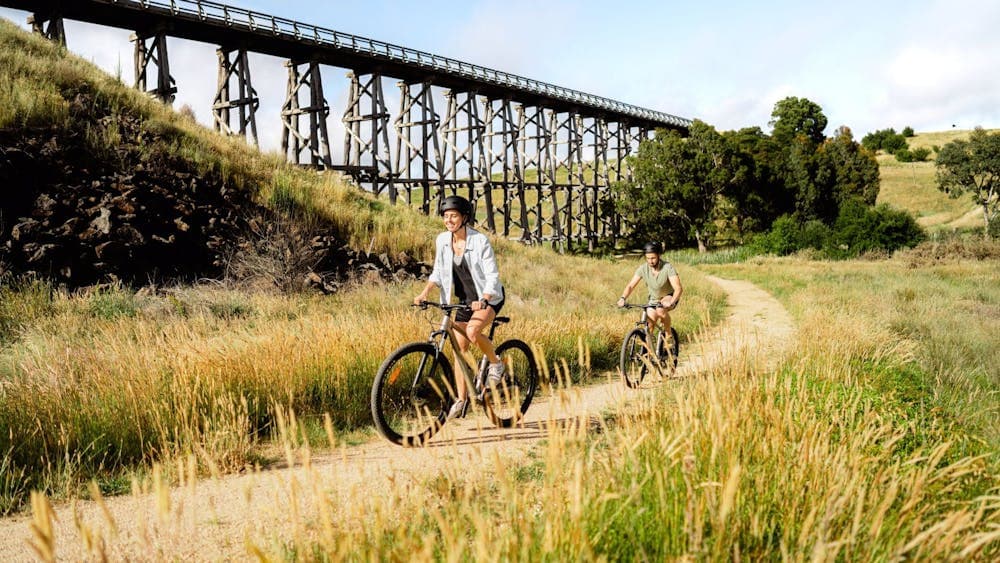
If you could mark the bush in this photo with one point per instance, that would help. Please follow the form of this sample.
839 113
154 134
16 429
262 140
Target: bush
908 131
916 155
894 143
814 234
860 229
782 239
885 139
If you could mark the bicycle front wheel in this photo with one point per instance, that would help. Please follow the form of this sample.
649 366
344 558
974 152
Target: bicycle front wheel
633 360
510 401
411 394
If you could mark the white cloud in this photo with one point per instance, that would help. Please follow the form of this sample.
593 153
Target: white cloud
946 71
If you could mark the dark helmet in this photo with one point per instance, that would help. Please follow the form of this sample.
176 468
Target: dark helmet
458 203
653 248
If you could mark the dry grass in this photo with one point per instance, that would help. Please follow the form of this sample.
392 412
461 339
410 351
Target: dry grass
813 460
100 383
912 186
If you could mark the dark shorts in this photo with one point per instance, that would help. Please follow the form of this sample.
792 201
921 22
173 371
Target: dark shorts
464 315
676 304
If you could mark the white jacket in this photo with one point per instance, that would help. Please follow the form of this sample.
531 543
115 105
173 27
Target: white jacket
482 265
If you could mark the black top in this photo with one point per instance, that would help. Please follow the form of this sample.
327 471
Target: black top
465 288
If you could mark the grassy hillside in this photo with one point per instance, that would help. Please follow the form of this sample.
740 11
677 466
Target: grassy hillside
45 89
911 186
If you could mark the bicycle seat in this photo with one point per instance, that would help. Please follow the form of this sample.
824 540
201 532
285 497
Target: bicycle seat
501 320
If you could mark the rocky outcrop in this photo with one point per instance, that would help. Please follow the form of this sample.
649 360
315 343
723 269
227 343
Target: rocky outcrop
140 214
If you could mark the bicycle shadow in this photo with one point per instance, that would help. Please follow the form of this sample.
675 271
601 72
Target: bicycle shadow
527 431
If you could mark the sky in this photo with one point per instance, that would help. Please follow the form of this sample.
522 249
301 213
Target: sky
928 64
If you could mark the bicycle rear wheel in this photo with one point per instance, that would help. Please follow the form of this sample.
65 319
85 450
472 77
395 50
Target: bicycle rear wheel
670 355
411 394
510 401
633 360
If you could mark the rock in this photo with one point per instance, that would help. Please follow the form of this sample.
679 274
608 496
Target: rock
102 223
111 251
44 205
24 229
42 253
130 235
313 279
70 226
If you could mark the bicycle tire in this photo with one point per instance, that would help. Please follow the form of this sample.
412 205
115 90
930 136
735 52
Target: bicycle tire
632 361
675 348
411 394
507 405
668 358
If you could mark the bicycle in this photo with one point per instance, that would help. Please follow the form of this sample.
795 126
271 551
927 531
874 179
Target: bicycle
635 360
413 389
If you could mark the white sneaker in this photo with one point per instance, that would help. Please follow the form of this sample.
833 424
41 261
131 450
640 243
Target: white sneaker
494 375
458 409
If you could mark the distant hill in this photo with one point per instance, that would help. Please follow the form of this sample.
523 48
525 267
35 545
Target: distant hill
911 186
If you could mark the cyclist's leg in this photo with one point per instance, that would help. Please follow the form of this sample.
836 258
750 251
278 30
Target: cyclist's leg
463 344
662 318
474 332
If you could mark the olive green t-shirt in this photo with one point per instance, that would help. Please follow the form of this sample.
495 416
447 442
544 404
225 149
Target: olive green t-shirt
659 285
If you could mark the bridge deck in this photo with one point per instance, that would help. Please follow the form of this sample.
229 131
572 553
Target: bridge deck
230 26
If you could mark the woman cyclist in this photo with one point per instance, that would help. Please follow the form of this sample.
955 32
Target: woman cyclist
663 283
464 262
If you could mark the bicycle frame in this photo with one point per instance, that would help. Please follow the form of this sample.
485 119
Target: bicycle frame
643 323
440 337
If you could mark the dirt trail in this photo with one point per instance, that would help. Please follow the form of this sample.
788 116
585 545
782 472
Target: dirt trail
210 519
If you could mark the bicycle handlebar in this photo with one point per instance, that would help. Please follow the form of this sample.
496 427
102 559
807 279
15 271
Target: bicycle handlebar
443 306
646 306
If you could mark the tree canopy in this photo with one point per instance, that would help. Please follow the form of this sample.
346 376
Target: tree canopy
739 182
973 167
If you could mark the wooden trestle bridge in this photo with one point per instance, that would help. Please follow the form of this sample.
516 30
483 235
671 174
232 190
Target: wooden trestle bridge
536 159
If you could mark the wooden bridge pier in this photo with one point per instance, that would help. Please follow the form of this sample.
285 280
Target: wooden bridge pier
496 128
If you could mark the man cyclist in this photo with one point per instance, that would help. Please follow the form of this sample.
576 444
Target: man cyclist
663 284
464 262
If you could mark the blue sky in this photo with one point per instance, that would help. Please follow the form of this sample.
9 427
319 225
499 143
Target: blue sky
929 64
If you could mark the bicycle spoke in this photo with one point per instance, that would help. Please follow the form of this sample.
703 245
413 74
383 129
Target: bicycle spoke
410 396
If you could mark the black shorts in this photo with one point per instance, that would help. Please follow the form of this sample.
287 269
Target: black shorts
463 315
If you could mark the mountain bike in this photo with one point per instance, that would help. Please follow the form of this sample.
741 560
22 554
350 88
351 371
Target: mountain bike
635 360
414 387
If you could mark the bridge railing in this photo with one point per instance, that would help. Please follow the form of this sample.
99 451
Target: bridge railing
231 16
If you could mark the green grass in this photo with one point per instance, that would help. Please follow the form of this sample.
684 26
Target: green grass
945 315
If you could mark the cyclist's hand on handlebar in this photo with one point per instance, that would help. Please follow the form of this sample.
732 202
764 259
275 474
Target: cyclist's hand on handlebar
621 302
419 301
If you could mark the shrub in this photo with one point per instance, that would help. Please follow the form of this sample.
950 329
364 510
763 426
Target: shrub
885 139
860 229
782 239
814 234
916 155
894 143
908 131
